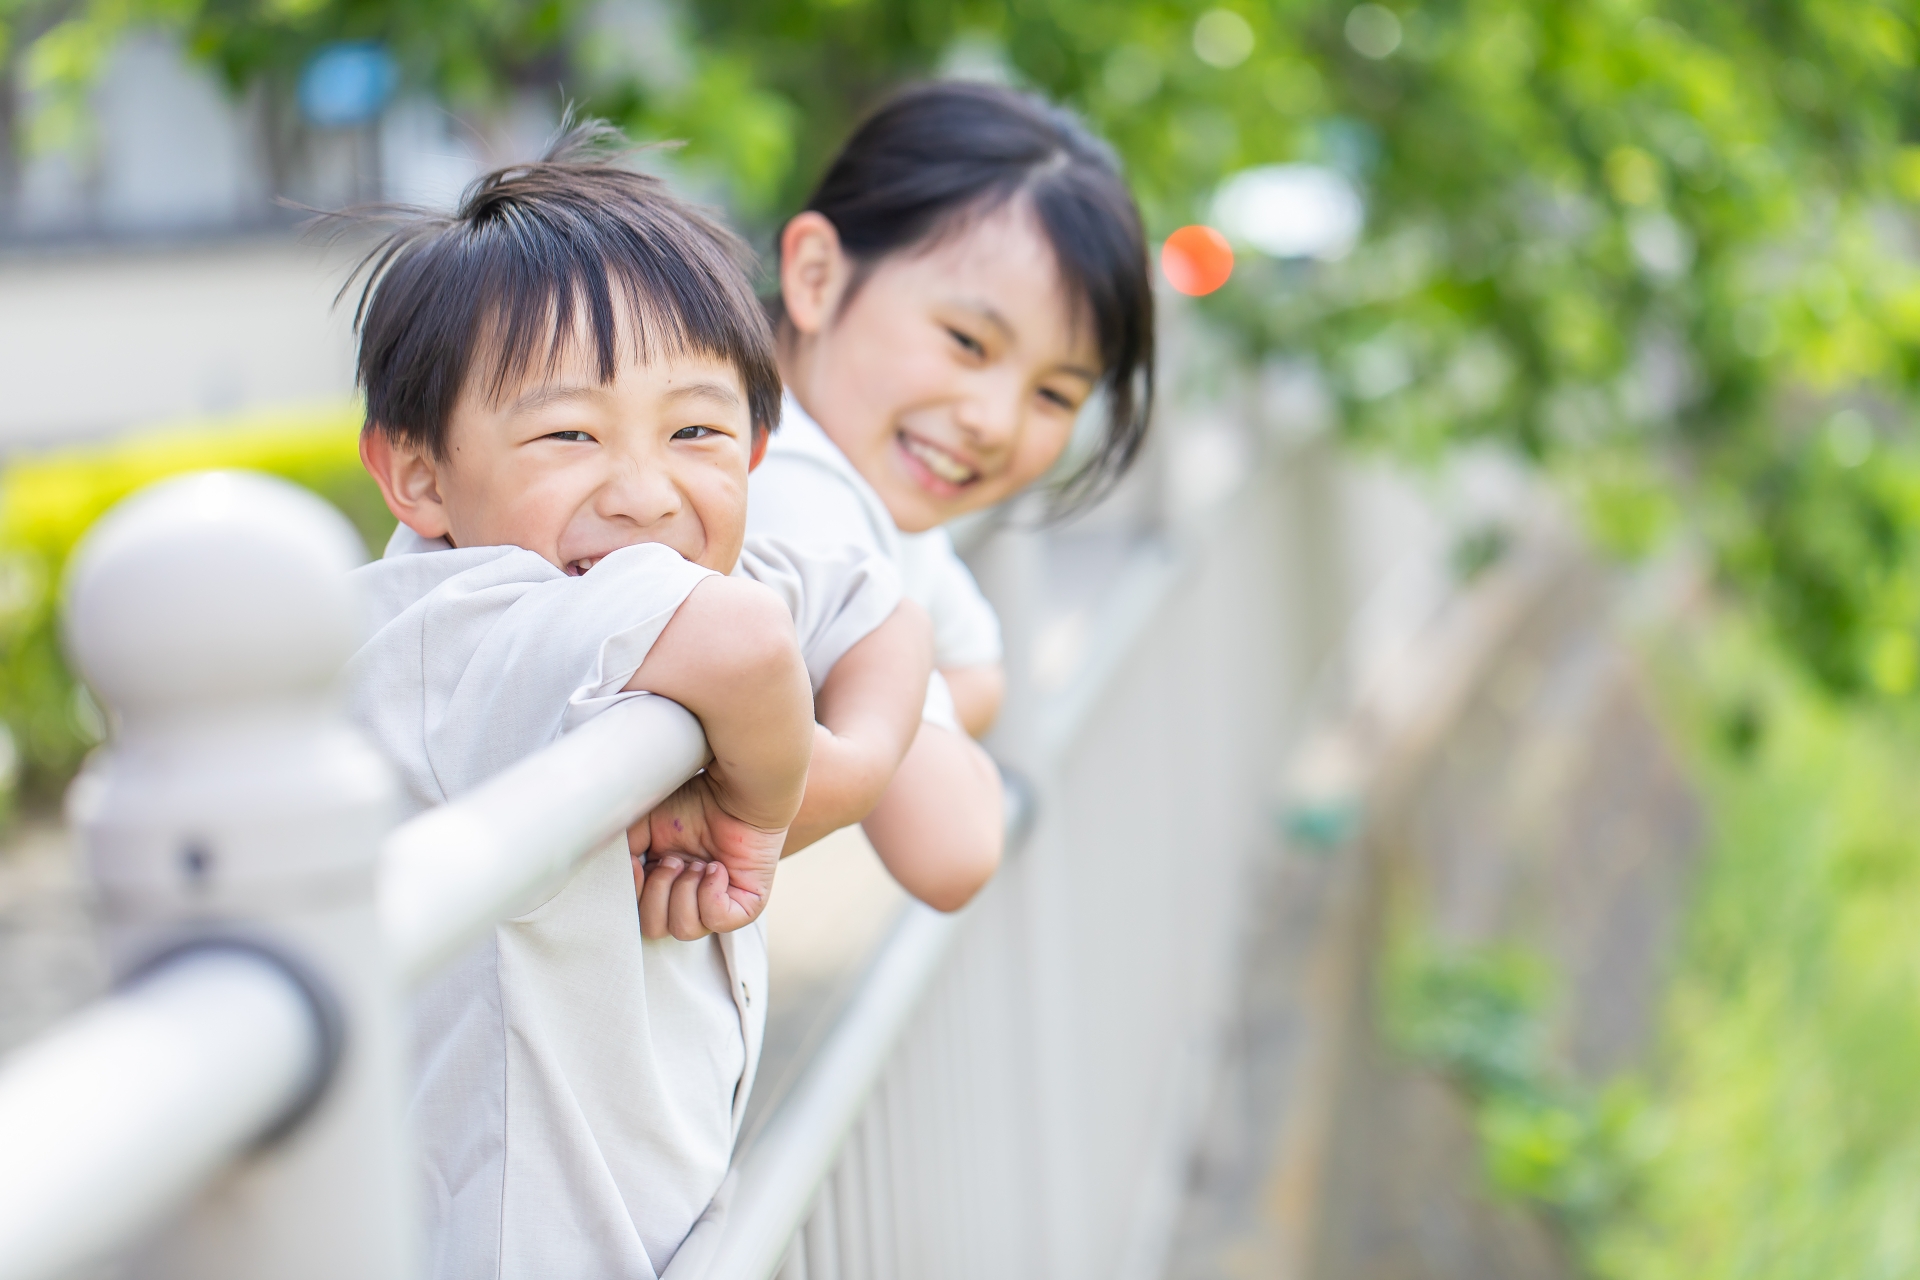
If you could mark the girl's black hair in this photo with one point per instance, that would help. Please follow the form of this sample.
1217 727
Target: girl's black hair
935 156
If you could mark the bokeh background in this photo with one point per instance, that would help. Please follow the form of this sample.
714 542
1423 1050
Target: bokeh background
1663 255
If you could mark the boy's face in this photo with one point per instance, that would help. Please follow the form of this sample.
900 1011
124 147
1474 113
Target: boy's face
571 468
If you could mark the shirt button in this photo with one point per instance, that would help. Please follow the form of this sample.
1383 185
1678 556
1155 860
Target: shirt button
746 995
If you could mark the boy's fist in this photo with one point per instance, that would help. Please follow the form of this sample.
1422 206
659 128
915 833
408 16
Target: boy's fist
697 869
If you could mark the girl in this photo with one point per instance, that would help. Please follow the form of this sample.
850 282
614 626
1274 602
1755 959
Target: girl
969 272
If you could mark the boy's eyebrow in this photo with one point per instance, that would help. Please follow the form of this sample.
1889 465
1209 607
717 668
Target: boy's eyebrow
706 390
541 397
991 314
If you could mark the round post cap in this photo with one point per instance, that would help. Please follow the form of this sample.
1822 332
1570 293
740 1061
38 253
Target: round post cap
212 589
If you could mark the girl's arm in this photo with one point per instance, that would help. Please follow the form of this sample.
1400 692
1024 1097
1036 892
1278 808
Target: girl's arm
868 710
977 692
940 827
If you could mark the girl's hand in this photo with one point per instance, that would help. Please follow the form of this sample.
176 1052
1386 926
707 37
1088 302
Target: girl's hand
698 869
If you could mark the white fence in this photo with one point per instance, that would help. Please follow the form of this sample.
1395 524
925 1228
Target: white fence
1011 1091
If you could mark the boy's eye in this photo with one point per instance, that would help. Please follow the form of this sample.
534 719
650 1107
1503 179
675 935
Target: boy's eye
572 437
1059 400
966 342
693 433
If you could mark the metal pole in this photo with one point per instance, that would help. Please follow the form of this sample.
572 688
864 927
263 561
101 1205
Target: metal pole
115 1119
234 807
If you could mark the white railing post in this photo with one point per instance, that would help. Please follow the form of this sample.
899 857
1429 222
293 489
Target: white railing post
235 813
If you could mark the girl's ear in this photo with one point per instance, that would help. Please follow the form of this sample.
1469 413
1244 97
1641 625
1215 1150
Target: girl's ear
409 480
813 271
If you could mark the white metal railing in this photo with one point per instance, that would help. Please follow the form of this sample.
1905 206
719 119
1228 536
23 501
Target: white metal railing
1016 1090
1011 1090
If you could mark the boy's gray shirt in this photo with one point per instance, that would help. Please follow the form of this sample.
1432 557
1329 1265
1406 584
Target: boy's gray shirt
579 1088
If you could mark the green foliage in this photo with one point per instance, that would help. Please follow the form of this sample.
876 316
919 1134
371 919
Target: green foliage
48 502
1777 1134
1665 247
1790 1129
1655 244
1479 1016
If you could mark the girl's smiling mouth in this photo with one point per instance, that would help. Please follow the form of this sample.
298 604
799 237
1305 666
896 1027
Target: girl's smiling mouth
576 568
949 473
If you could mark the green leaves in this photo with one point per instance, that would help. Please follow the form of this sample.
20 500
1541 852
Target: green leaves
1479 1016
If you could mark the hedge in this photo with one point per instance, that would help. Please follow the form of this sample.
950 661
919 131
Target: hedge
48 500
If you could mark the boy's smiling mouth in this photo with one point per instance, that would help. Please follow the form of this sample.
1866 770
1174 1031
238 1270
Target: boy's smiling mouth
575 568
940 464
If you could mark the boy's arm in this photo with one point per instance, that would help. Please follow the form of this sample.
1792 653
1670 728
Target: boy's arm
940 827
729 656
977 692
868 710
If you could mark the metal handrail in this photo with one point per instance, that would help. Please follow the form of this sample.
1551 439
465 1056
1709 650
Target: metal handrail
97 1155
781 1168
796 1148
113 1120
453 871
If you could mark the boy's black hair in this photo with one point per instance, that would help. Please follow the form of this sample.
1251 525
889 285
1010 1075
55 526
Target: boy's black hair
535 253
935 156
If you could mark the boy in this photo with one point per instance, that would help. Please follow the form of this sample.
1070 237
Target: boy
567 383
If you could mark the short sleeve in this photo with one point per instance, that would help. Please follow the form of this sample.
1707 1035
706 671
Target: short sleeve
643 592
966 630
837 596
513 659
803 502
939 708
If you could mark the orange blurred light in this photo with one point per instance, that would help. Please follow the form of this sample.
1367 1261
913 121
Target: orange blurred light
1196 260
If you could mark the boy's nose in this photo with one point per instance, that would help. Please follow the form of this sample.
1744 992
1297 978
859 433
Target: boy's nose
641 494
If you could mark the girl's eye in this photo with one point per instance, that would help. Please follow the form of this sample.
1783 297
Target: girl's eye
967 344
1059 400
571 437
693 433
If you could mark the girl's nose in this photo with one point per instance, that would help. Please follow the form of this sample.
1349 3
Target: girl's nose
990 416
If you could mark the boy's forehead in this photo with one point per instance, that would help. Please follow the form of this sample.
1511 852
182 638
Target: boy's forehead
646 352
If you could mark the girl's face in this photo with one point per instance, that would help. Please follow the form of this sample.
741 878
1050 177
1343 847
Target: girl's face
952 377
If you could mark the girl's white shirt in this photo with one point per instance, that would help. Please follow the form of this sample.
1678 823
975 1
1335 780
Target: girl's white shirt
805 493
579 1088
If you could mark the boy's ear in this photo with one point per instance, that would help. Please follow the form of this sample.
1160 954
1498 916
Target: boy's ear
409 480
813 271
760 437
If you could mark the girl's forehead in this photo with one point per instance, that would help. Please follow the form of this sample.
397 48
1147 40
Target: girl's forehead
1007 233
1001 265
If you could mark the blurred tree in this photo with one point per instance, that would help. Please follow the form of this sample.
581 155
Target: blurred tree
1663 247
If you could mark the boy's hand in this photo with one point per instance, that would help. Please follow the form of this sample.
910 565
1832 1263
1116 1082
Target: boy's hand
730 656
698 869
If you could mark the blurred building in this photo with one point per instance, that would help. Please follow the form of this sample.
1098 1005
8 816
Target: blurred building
156 270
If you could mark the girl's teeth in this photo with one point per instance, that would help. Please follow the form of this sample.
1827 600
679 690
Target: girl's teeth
947 468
